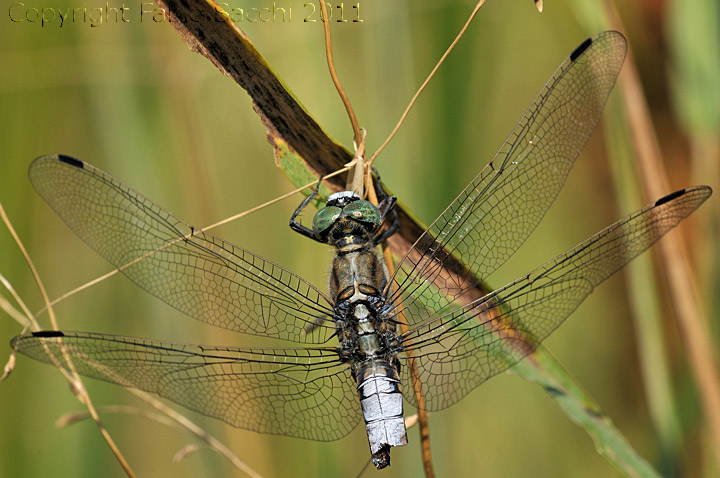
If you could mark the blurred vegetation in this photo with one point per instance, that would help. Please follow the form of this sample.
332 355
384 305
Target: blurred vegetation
130 98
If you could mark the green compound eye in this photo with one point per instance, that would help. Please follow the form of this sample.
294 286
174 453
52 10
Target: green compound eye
324 219
363 211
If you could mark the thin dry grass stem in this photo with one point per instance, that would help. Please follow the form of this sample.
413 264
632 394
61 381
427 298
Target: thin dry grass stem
30 264
19 317
273 201
78 289
422 417
187 450
189 425
72 418
333 74
682 284
204 229
179 420
24 320
9 366
72 377
479 4
168 417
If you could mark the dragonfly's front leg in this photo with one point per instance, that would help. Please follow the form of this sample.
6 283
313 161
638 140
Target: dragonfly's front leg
295 225
386 206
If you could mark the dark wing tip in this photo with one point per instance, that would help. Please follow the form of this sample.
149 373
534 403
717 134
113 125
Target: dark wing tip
577 52
670 197
48 333
702 192
70 160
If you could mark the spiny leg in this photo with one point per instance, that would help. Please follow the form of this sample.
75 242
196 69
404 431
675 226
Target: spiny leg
295 225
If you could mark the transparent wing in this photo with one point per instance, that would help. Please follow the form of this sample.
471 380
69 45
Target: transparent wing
499 209
456 352
298 392
197 273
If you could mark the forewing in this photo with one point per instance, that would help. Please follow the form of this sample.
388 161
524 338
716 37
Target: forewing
305 393
457 352
197 273
499 209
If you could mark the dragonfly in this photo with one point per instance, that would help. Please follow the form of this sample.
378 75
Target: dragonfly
351 352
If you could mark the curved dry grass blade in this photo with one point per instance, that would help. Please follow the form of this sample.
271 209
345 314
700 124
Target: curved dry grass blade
169 417
196 430
186 451
73 378
9 366
21 319
72 418
26 320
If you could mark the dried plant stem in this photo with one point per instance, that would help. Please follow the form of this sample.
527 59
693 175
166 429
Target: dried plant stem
333 74
169 417
189 425
417 386
30 264
682 288
415 378
25 318
73 377
8 308
479 4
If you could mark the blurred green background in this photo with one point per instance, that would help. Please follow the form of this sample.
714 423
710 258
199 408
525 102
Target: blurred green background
133 100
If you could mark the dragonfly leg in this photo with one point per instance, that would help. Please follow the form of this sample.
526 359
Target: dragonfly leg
387 207
295 224
379 187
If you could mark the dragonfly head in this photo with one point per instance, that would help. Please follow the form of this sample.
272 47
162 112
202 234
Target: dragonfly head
346 215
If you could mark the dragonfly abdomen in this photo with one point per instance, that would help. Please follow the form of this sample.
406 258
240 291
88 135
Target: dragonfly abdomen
382 406
356 283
